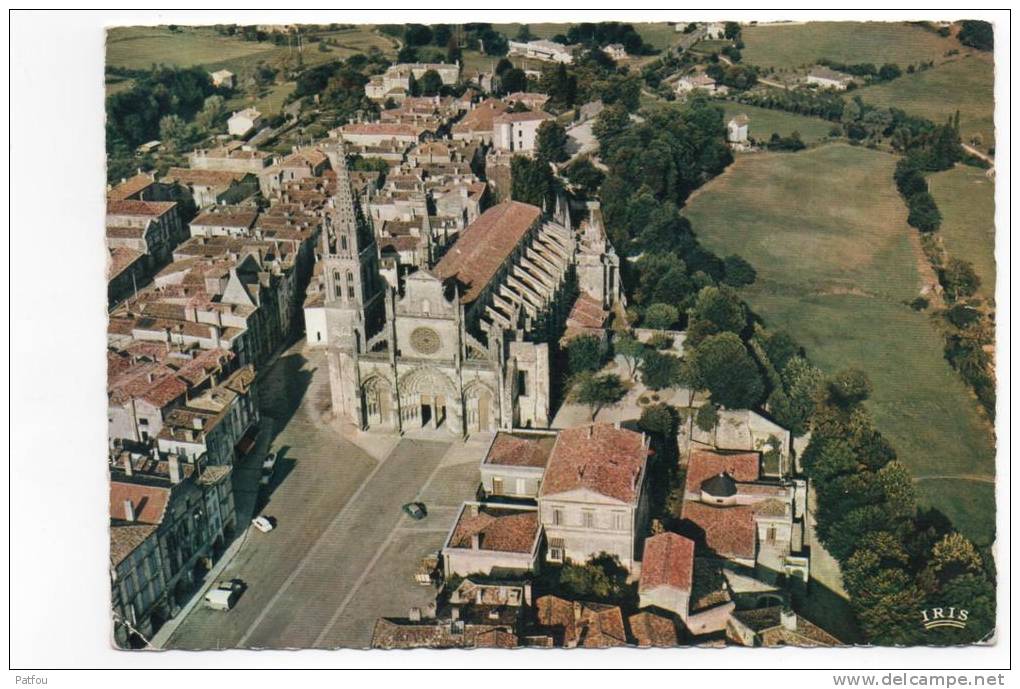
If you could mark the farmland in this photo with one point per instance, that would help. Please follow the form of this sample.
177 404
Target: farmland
765 121
966 85
791 46
966 198
835 275
140 47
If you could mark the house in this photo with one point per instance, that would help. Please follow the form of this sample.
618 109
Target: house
533 101
152 227
126 269
746 430
515 463
233 156
377 133
615 51
776 626
167 520
149 147
667 573
715 31
651 630
244 122
142 187
212 187
517 131
224 221
593 497
492 539
577 624
395 82
477 124
542 50
739 515
827 78
222 79
698 82
736 129
415 632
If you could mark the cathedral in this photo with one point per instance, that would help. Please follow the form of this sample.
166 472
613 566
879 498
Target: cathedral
461 345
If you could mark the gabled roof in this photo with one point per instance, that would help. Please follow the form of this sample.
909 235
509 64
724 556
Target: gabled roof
652 630
504 530
149 502
520 449
668 561
601 458
728 531
484 246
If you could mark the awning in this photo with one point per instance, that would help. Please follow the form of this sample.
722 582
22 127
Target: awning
247 442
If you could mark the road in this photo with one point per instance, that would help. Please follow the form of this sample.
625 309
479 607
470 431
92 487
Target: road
342 553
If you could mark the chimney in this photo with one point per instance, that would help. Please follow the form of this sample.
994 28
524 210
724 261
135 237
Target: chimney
196 423
128 469
476 541
454 614
616 425
414 615
174 467
788 618
129 511
527 593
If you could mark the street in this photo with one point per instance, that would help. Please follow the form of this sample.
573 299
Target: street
342 553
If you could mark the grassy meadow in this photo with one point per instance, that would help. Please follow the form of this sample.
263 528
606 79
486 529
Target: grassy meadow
791 46
765 121
966 84
827 233
966 198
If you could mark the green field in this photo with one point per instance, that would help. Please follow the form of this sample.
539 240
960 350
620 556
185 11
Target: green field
966 198
140 47
658 34
791 46
826 231
764 122
966 84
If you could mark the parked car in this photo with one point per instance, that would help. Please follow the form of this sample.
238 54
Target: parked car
224 595
262 523
269 463
415 510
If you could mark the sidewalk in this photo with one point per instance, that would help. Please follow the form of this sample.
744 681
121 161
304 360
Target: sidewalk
245 480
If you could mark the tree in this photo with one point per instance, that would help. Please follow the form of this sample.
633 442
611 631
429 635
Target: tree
716 310
211 112
430 83
738 272
660 419
173 132
659 370
888 72
728 372
849 388
602 578
609 123
631 349
924 213
551 142
453 53
977 34
959 279
407 54
531 181
660 316
583 174
417 34
707 417
598 391
524 34
584 354
513 80
953 556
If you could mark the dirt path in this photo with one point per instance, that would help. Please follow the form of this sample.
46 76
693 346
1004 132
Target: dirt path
978 478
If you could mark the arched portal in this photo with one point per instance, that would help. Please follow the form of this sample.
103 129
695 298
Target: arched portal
429 399
377 397
479 407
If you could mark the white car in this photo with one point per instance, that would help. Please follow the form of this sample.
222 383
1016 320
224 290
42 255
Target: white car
269 463
262 523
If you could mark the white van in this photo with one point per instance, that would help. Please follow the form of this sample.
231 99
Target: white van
223 595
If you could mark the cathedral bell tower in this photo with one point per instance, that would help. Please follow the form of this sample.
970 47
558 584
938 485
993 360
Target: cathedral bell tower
354 289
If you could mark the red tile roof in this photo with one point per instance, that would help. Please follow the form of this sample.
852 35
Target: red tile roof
207 178
519 449
484 246
149 502
704 464
728 531
227 216
504 530
583 624
130 187
132 207
649 629
121 259
480 118
528 116
124 538
668 561
587 312
382 129
601 458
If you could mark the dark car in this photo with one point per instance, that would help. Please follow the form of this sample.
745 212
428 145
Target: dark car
415 510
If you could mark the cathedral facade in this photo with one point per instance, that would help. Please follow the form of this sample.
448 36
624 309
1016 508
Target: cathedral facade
460 346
